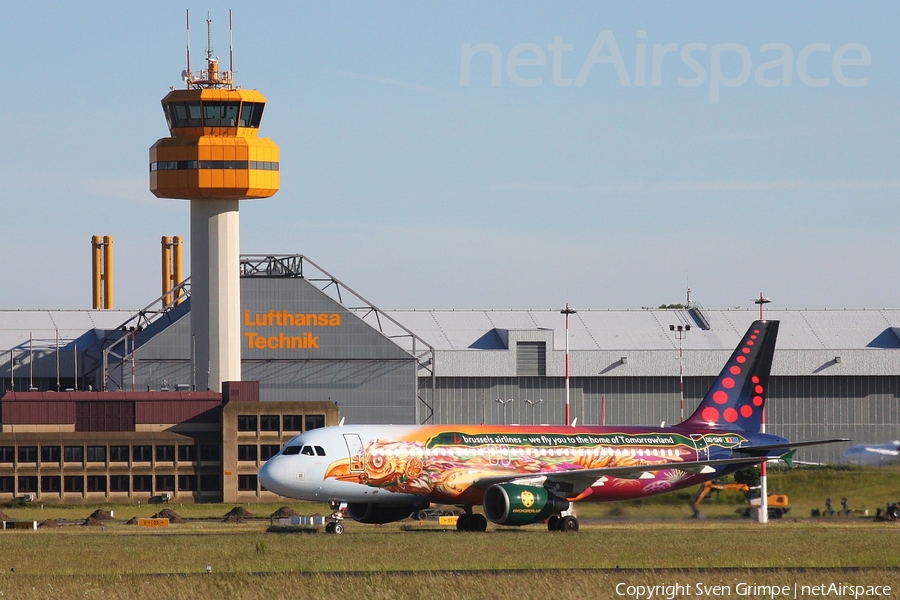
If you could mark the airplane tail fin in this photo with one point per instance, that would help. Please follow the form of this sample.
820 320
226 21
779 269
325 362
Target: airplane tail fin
736 399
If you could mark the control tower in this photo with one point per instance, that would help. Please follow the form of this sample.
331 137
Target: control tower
214 158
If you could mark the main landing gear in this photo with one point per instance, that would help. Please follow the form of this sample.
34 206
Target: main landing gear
562 523
334 524
471 521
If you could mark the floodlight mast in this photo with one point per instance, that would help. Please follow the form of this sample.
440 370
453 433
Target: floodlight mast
567 311
680 333
763 478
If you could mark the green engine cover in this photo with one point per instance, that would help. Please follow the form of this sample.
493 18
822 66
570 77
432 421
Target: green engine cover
512 504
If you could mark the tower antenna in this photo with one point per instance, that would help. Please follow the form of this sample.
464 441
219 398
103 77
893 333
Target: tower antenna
230 47
187 20
208 38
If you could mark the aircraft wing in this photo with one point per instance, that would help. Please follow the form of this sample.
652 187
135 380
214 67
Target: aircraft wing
575 481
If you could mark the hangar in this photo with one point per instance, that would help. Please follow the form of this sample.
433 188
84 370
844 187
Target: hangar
307 337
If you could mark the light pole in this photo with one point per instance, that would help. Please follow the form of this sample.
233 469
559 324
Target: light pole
567 311
503 403
680 333
531 403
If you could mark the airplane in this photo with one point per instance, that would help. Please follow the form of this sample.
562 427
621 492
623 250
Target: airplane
874 454
524 474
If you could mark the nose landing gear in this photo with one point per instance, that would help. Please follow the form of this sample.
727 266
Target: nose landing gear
334 524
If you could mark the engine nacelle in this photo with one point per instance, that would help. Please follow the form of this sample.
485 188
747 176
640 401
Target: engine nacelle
366 512
512 504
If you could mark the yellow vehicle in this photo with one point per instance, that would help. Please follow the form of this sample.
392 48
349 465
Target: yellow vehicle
778 504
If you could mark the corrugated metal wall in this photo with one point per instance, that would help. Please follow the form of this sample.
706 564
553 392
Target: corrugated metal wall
866 409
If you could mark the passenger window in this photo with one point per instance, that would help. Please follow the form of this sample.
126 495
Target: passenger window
307 451
291 450
320 451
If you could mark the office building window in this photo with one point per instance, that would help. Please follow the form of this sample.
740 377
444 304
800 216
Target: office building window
73 454
187 483
315 421
142 483
96 483
210 453
28 454
97 453
8 484
28 483
247 483
269 422
142 453
165 483
165 453
210 483
246 452
7 454
267 451
118 453
246 423
118 483
51 454
51 483
292 422
187 453
73 483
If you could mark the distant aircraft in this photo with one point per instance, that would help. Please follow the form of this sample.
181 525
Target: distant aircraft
523 474
874 454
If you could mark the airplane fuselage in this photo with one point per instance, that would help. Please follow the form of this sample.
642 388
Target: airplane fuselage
401 464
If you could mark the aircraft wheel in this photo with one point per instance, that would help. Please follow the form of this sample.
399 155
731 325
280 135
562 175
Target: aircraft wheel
462 523
894 511
568 524
554 523
329 527
478 522
338 529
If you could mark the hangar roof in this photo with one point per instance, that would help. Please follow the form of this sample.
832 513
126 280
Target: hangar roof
648 329
589 329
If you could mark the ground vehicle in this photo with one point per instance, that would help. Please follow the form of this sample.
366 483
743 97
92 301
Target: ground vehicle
778 504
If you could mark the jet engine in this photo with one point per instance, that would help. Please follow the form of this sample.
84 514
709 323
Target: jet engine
366 512
512 504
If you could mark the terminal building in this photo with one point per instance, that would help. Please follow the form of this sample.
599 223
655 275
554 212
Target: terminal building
103 404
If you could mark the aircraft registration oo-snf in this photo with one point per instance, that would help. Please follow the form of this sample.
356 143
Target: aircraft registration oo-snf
523 474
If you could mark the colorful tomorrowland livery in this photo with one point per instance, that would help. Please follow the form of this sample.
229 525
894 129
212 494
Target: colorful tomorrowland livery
522 474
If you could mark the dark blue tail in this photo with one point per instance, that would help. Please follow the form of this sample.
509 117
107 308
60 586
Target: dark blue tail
736 399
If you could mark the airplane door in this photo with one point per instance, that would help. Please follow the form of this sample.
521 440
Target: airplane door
357 452
700 446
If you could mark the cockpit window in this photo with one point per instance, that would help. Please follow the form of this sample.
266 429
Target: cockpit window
304 450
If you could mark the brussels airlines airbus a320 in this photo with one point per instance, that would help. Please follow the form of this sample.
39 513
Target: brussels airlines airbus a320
523 474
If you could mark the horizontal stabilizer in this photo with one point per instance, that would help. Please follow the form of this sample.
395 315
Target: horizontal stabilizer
764 450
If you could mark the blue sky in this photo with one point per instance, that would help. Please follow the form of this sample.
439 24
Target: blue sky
575 179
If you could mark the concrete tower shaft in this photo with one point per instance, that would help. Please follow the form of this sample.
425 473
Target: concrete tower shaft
214 158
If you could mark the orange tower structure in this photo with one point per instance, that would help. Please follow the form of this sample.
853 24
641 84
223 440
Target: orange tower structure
214 158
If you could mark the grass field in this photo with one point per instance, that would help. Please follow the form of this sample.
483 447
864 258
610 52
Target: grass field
649 543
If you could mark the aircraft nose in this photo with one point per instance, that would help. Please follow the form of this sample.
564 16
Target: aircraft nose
274 475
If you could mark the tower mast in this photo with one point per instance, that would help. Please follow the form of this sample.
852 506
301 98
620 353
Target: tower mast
214 158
